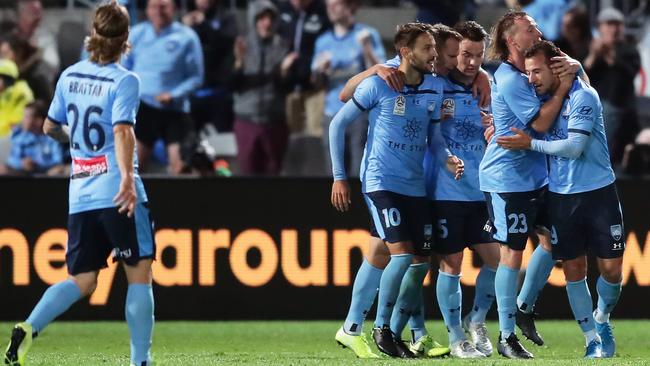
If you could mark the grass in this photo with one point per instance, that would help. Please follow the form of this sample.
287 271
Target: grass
296 343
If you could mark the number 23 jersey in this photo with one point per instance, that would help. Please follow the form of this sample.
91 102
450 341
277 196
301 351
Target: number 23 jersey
91 99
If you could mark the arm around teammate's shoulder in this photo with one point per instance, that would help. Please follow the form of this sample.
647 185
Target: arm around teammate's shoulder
550 109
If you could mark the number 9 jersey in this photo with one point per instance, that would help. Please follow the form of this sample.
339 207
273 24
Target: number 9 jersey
91 99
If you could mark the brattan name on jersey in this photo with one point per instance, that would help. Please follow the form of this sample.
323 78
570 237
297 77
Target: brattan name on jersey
82 100
514 104
581 113
399 124
462 130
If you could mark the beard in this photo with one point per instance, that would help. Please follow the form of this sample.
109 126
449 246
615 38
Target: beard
422 69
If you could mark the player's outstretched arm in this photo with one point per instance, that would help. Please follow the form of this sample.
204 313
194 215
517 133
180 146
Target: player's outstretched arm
56 131
392 76
571 147
126 197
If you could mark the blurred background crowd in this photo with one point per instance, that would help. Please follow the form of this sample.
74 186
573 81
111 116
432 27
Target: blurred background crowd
249 87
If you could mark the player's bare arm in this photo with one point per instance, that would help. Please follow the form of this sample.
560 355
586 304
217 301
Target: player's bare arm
126 197
56 131
481 87
549 110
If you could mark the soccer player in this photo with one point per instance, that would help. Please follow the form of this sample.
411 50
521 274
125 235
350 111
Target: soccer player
399 123
99 99
515 181
585 211
459 207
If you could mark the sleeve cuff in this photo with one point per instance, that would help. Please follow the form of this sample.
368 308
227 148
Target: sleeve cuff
55 120
356 102
124 122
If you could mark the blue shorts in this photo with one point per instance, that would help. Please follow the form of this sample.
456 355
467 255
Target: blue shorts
515 215
588 220
94 234
460 224
399 218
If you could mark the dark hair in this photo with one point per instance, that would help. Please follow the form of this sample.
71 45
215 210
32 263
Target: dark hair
499 48
110 34
406 34
20 46
580 20
471 30
547 48
39 107
442 33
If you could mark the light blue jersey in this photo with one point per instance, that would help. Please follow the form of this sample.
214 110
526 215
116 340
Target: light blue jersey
399 124
581 113
167 62
346 60
463 132
44 151
91 99
514 104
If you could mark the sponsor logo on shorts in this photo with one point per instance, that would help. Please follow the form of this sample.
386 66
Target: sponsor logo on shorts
122 254
618 246
616 231
84 168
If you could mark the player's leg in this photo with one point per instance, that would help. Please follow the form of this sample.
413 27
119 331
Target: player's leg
539 269
364 292
139 310
510 214
86 254
484 296
575 271
133 240
607 239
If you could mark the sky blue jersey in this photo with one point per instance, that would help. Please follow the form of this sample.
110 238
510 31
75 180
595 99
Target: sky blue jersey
399 124
463 133
44 151
581 113
346 56
91 99
514 104
167 62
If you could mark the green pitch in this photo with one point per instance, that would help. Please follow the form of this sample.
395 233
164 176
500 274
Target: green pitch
295 343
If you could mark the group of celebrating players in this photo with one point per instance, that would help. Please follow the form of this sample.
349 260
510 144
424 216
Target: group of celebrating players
445 169
440 172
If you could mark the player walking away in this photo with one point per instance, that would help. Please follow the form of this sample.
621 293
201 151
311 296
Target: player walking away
392 177
585 211
98 99
458 207
515 181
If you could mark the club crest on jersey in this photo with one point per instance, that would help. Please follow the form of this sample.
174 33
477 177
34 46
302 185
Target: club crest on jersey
616 231
448 107
400 106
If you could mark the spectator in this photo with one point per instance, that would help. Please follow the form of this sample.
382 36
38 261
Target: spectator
31 66
28 27
14 95
217 29
575 35
612 64
261 70
167 57
342 52
300 23
31 150
636 159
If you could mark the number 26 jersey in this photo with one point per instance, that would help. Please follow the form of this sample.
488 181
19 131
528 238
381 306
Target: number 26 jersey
91 99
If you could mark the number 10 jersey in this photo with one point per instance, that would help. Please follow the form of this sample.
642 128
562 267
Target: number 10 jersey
91 99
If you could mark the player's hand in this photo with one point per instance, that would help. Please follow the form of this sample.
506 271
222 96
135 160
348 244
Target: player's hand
519 141
481 87
341 195
487 119
127 197
164 98
488 133
392 76
564 65
456 166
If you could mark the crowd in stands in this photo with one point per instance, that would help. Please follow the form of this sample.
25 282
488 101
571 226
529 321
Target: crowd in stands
275 79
